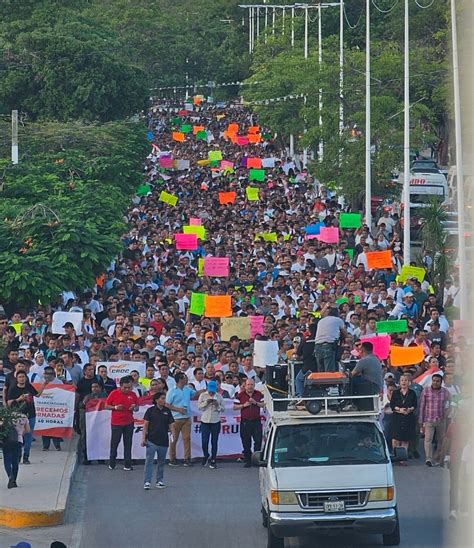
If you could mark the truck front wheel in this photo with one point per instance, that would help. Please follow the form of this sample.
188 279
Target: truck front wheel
393 539
273 541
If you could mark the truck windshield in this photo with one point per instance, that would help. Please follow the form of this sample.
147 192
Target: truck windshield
323 444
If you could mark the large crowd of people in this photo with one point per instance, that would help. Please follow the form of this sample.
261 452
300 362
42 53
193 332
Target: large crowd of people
278 269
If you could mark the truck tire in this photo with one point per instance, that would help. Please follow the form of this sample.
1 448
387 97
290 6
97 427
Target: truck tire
264 517
273 541
393 539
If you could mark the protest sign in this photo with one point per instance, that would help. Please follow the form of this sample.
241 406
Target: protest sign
226 164
253 129
256 174
313 229
392 326
122 368
381 345
197 129
196 305
379 259
406 355
256 326
199 230
195 221
55 410
166 162
60 318
412 272
216 266
186 242
186 128
217 306
240 327
242 141
178 136
252 194
143 190
350 252
214 155
329 235
201 136
168 198
98 432
233 128
350 220
267 236
226 197
268 163
181 165
253 138
254 163
265 353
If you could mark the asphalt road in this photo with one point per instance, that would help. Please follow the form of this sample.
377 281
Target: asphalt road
218 508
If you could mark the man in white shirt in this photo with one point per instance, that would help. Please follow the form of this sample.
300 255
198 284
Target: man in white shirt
330 329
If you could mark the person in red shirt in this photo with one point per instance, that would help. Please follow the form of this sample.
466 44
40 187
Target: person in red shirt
122 402
249 402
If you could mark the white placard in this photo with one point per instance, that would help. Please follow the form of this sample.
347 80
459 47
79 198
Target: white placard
117 370
60 318
265 353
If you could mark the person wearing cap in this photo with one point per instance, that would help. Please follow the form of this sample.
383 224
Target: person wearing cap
211 405
155 437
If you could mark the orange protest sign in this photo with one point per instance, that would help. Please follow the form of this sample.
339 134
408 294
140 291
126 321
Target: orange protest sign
379 259
178 136
254 129
226 198
254 163
233 128
234 138
217 306
197 100
401 356
196 129
254 138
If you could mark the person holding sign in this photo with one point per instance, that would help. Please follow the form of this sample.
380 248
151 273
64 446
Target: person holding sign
122 402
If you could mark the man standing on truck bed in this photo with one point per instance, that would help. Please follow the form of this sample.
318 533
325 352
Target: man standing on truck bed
249 402
330 328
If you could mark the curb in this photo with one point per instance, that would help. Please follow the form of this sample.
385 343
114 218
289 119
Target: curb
14 518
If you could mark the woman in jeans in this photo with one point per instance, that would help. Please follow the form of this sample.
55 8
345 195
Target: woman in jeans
12 447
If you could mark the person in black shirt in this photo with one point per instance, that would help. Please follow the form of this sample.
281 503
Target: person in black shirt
106 383
21 394
83 388
156 428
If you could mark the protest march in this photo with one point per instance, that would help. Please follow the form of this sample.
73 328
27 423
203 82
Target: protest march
235 257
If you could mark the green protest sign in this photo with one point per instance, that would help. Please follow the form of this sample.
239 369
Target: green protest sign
197 303
392 326
201 136
176 120
143 190
186 128
350 252
257 175
350 220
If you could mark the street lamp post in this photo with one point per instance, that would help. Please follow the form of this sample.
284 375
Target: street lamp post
368 148
406 144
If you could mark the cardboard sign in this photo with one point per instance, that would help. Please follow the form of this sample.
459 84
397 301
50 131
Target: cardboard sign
199 230
238 327
217 267
379 259
60 318
226 197
265 353
217 306
196 306
381 345
252 193
392 326
329 235
168 198
350 220
186 242
401 356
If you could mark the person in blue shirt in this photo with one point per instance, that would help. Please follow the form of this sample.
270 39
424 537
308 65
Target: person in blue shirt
178 400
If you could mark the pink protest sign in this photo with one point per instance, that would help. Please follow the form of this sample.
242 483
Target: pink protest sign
166 162
216 266
242 141
381 345
195 221
226 164
329 235
186 241
256 326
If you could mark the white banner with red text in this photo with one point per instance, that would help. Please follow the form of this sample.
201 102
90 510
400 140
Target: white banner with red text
98 433
55 411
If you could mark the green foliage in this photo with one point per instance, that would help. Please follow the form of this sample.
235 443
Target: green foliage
61 211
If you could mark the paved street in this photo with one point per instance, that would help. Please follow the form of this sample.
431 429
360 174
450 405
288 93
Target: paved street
203 508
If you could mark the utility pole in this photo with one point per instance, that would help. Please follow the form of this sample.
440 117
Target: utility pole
406 144
320 97
459 169
368 148
14 137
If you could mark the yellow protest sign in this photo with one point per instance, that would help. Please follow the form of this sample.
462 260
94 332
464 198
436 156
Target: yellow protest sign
412 272
267 236
200 267
240 327
199 230
252 194
168 198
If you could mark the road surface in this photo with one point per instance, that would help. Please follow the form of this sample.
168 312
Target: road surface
218 508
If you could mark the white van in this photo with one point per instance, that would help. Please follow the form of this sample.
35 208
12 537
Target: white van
425 186
326 472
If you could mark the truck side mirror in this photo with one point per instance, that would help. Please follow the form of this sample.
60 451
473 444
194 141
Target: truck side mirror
257 459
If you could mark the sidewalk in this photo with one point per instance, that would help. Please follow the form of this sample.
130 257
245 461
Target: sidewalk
43 488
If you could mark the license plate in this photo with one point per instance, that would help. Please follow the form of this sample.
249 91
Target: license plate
334 506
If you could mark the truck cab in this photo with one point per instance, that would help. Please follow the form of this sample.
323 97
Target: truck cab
325 472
